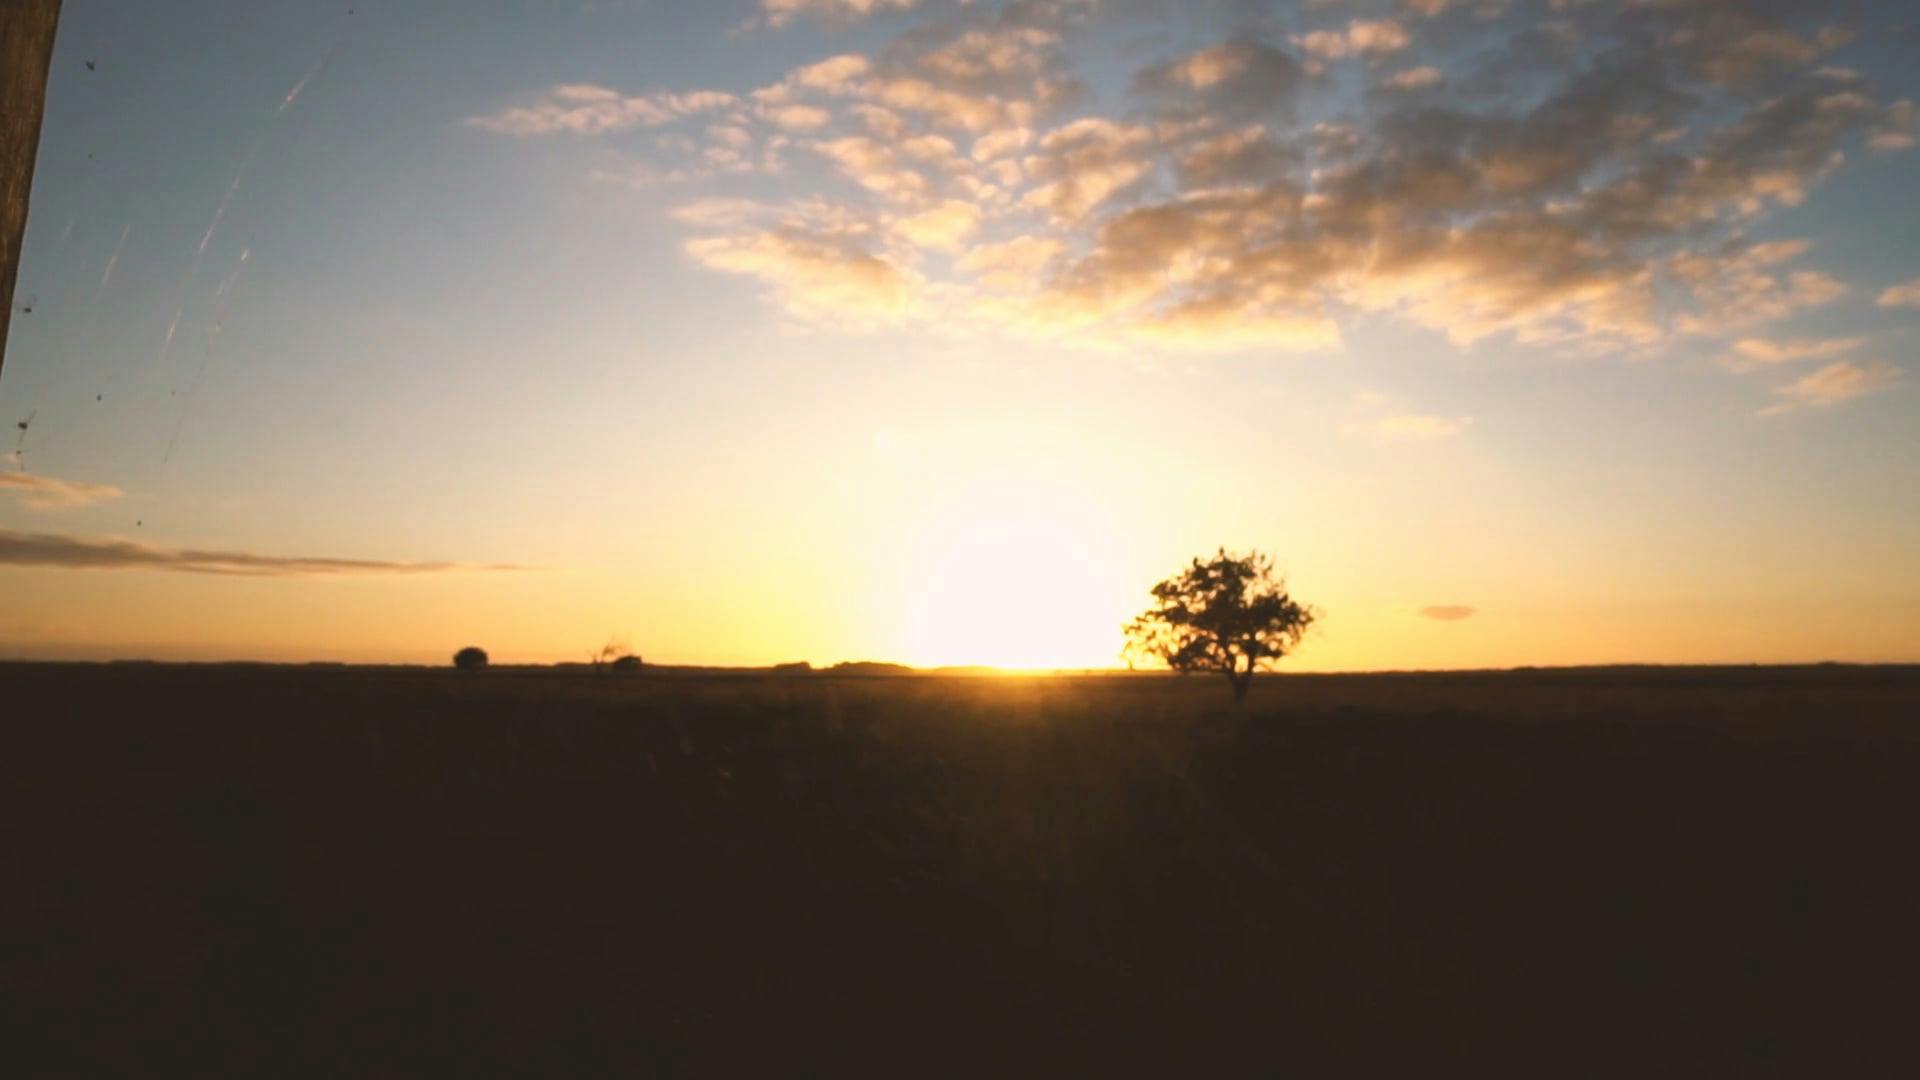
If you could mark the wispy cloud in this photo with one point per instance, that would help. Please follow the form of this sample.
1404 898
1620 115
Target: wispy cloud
1906 294
1411 426
1425 77
108 553
1832 385
779 13
585 109
1752 353
38 492
1447 612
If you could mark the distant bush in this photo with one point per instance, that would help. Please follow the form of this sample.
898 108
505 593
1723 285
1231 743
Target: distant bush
869 667
798 667
471 658
615 657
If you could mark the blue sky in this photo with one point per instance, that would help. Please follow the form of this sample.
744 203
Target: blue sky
829 329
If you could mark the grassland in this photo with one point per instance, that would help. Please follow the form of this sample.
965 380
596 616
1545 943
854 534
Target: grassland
357 872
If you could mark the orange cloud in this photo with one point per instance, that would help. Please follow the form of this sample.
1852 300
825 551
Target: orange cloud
1832 385
37 492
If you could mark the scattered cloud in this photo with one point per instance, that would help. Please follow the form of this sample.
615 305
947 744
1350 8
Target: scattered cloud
779 13
820 262
1899 123
1905 294
1745 285
1831 385
946 227
1585 177
1412 426
1751 353
1425 77
586 109
1361 37
37 492
104 553
1447 612
1232 81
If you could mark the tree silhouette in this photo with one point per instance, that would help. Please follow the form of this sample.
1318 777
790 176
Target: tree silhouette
615 656
1229 614
471 658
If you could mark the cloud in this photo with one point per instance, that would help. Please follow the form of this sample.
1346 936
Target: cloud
1232 81
779 13
1832 385
1447 612
1906 294
1751 353
946 227
1583 177
1899 122
1361 37
1425 77
586 109
37 492
1412 427
822 264
103 553
797 117
1083 163
974 79
1744 284
1017 264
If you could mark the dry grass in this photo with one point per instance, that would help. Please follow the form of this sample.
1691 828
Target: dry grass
271 871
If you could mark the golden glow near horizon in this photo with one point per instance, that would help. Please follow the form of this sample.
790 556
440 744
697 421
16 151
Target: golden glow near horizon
939 337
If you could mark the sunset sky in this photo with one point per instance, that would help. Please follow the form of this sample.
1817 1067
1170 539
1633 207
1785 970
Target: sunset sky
1580 331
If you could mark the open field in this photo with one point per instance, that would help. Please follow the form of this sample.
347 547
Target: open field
259 871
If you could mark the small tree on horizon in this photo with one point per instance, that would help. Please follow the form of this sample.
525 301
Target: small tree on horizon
616 656
1229 614
471 658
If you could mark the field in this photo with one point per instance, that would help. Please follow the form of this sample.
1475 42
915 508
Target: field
268 871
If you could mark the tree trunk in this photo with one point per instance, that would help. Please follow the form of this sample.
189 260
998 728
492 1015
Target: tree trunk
26 52
1241 681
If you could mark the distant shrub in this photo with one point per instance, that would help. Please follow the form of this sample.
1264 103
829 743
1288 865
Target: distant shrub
798 667
615 657
471 658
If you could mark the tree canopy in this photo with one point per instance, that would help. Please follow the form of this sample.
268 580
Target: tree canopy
1231 614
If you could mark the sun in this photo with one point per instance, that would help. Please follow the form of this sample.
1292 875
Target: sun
1024 589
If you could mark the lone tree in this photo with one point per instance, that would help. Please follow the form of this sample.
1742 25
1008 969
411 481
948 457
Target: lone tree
471 658
1229 614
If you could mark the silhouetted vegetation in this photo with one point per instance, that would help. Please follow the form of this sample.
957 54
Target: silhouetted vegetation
869 667
471 658
1229 614
615 657
404 872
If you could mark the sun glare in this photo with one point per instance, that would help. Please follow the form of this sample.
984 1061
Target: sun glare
1019 592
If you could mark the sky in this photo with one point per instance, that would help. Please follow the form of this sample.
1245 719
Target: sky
937 332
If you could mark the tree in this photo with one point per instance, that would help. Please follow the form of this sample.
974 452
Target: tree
615 656
471 658
1229 614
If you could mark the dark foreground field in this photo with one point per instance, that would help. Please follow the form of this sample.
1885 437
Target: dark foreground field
275 872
